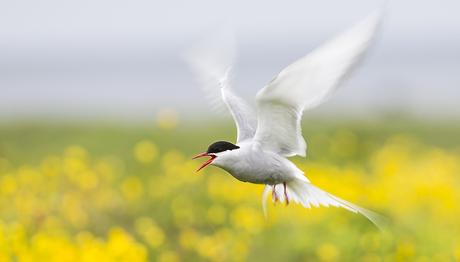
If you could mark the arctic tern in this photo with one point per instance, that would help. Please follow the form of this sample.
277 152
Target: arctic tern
269 135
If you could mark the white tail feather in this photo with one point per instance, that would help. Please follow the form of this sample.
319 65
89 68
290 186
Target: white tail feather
308 195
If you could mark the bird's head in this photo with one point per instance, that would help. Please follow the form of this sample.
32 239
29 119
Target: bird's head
216 150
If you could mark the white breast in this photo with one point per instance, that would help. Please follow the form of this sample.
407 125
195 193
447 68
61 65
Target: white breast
248 164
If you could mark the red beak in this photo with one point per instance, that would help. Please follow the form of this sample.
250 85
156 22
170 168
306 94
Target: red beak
208 162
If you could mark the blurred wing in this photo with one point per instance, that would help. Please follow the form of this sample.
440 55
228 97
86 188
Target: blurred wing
211 62
305 84
242 113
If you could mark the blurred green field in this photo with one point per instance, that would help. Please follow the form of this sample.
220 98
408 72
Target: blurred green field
128 192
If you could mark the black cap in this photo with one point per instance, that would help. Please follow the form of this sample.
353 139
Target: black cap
221 146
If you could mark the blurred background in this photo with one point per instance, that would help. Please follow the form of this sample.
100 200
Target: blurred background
99 115
112 58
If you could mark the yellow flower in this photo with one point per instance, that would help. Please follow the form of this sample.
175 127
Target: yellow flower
170 162
73 210
106 168
457 252
8 185
248 219
405 251
132 188
51 166
88 180
327 252
188 238
145 151
150 231
122 247
207 247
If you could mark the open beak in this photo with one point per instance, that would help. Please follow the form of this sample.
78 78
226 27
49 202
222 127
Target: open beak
208 162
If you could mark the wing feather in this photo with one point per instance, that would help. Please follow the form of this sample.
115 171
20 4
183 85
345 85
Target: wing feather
305 84
211 62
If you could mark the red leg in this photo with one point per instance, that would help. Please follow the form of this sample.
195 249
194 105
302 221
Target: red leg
285 194
274 195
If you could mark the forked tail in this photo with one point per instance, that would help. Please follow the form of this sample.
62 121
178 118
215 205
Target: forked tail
308 195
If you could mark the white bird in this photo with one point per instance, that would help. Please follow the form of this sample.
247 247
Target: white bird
268 137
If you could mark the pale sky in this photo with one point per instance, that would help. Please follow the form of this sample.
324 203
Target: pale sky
124 58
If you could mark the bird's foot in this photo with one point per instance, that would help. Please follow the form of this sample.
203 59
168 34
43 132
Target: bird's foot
285 194
274 195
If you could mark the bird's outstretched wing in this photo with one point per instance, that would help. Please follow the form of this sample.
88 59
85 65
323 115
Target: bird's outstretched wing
305 84
211 62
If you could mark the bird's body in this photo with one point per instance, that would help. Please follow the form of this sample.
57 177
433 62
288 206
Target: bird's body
270 134
252 164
